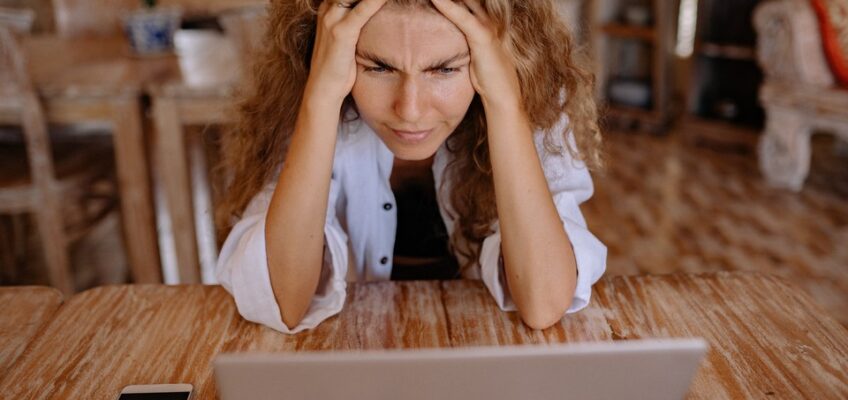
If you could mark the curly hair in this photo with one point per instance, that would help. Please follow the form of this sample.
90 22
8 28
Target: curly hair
548 65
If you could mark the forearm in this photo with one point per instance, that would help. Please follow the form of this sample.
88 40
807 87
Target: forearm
539 261
294 227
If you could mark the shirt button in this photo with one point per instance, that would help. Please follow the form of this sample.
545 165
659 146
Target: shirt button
384 260
387 206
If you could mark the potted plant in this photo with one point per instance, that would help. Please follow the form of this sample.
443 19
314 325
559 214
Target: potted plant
150 29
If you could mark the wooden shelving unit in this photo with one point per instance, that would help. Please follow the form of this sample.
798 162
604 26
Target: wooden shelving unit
627 31
723 107
636 54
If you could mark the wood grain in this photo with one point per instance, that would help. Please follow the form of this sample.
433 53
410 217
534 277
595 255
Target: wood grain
23 311
475 320
767 338
113 336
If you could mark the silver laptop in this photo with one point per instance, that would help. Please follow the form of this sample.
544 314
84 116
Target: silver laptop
647 369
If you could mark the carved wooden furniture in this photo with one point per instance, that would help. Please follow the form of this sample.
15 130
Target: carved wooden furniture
67 187
766 337
799 93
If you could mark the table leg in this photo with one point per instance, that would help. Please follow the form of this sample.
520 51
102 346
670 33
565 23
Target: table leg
134 186
171 159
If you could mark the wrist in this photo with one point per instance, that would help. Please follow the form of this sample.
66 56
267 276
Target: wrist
316 97
321 109
497 105
504 110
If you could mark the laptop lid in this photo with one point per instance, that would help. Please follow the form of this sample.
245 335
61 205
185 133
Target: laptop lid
650 369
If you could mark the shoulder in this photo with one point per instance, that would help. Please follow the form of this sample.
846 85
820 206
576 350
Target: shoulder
353 136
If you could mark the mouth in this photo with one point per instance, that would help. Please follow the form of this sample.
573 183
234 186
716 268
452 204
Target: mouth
412 137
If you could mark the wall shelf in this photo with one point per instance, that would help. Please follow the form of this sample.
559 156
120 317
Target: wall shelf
632 41
629 31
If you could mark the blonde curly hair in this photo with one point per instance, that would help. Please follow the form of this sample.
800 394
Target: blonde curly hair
547 62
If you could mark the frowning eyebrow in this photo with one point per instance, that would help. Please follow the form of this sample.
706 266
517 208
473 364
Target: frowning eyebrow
382 63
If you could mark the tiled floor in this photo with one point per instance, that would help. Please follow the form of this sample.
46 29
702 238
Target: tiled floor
663 206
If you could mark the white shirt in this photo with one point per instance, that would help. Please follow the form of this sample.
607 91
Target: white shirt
360 230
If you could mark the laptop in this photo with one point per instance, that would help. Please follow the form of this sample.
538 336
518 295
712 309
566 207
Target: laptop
647 369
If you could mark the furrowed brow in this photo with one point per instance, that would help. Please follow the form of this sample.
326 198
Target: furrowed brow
375 59
448 61
382 63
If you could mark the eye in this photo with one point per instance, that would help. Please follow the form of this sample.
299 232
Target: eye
447 71
376 69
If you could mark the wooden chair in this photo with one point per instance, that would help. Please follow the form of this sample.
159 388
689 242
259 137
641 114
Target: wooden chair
91 17
68 187
202 98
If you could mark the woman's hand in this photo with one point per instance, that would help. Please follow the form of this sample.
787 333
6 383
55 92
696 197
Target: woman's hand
493 72
333 67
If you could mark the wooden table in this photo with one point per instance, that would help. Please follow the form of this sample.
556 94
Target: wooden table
91 80
23 311
767 338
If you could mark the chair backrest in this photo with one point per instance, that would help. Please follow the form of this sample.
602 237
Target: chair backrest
19 94
91 17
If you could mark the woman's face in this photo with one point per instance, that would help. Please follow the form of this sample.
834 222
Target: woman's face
412 85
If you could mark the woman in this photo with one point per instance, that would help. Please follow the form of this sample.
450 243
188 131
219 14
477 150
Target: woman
412 139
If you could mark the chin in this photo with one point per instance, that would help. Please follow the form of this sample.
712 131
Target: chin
411 152
413 157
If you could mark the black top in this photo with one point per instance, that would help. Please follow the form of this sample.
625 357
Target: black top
421 241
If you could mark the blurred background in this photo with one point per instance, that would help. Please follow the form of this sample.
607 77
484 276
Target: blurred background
726 127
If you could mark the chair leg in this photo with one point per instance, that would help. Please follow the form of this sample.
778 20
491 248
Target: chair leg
203 209
784 149
55 245
841 146
7 249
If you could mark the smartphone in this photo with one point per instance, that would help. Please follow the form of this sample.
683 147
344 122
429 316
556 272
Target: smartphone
177 391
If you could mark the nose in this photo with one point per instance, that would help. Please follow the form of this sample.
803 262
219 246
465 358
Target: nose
409 102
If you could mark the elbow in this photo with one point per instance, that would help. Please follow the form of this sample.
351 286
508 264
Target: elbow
547 308
293 297
292 318
542 321
542 317
293 308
